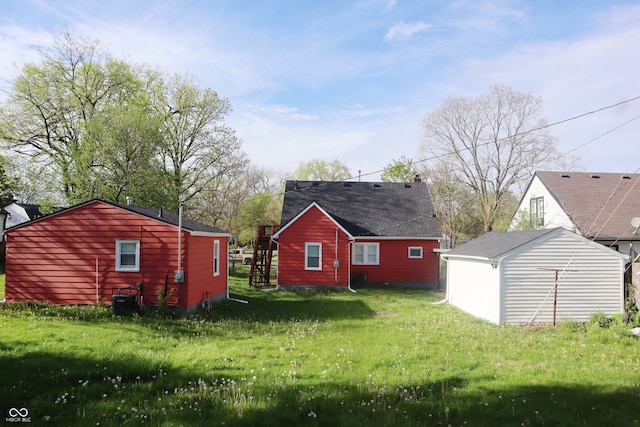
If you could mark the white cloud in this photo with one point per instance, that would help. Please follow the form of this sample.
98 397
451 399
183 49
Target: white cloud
573 77
404 30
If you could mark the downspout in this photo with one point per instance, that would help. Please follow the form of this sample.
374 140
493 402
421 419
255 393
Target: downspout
97 272
227 292
349 270
277 271
335 263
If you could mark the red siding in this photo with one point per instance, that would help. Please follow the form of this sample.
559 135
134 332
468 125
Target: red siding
200 268
54 259
313 226
396 266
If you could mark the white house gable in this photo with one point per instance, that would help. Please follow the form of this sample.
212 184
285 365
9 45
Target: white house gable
541 208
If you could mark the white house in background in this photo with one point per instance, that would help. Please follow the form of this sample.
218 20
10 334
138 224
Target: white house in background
17 213
598 206
510 277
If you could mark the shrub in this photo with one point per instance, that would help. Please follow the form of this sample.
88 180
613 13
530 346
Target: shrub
599 319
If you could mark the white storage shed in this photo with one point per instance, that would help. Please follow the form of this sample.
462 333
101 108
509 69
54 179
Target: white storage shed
539 276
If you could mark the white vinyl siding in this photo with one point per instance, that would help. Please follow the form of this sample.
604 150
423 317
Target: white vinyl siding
518 286
366 253
476 288
128 255
591 283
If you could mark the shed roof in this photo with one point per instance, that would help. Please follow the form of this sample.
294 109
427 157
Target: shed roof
367 208
600 205
496 243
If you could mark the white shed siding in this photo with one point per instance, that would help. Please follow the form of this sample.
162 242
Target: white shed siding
474 287
529 275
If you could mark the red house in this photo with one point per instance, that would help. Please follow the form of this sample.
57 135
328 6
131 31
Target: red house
86 253
356 234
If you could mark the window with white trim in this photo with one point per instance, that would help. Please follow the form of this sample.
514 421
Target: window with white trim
216 257
536 204
415 251
366 253
128 255
313 256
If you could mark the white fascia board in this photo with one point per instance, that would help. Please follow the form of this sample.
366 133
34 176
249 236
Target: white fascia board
477 258
396 238
207 233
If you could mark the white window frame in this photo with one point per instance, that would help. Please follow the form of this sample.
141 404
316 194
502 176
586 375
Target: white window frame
419 248
368 249
536 206
127 268
308 245
216 258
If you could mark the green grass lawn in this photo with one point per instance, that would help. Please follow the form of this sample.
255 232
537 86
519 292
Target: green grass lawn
380 357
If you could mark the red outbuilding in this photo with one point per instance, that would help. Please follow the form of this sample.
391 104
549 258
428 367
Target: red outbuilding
357 234
89 252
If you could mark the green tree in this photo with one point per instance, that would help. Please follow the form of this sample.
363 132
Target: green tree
321 170
260 209
196 147
126 158
401 170
7 185
51 105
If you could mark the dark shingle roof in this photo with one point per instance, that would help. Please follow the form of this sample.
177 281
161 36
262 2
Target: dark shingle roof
367 208
171 218
601 205
32 211
496 243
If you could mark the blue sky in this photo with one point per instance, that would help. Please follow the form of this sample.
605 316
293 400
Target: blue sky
352 80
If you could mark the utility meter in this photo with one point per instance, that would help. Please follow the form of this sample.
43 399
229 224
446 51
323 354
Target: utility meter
178 276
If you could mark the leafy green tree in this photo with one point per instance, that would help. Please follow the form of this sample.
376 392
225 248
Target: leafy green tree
7 185
401 170
126 158
50 107
321 170
260 209
196 145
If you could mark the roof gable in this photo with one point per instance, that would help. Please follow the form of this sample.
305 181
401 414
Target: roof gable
307 209
366 208
600 205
